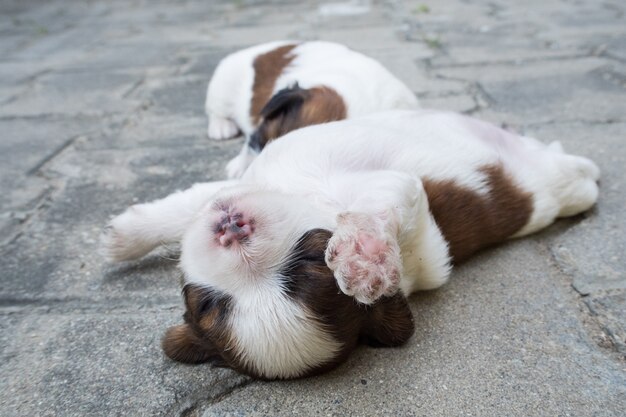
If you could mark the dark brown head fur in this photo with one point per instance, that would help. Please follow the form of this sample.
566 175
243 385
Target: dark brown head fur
290 108
388 322
293 108
206 334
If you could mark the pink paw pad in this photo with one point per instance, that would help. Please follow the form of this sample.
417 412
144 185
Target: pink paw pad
371 248
364 258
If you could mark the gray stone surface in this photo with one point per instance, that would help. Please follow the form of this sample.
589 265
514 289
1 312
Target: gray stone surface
101 106
493 342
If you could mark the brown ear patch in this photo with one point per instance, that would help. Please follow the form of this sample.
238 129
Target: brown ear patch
389 322
309 281
181 344
206 333
267 69
292 108
470 221
323 105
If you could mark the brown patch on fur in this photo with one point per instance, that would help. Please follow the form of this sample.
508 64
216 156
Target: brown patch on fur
267 69
293 108
181 344
470 221
322 106
308 280
208 320
205 334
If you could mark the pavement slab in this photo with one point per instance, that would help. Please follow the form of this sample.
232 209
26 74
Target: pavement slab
101 107
491 342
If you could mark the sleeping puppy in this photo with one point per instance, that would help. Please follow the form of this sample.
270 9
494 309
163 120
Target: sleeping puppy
271 89
316 247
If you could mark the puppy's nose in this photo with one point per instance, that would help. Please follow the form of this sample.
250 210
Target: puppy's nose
233 228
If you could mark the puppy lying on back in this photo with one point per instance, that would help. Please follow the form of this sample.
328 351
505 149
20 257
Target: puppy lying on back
317 245
271 89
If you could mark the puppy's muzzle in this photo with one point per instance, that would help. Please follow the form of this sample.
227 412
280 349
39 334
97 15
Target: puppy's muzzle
233 228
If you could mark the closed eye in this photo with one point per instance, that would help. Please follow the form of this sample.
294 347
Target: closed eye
203 301
306 259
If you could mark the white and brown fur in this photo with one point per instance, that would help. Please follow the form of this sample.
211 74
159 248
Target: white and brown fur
330 228
271 89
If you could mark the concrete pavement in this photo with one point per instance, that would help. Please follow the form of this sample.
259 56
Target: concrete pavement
101 106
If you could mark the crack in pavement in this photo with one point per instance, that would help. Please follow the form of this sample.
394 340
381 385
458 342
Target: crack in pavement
512 62
591 319
199 407
84 305
55 152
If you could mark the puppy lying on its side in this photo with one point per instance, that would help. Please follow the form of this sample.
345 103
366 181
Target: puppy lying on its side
271 89
275 262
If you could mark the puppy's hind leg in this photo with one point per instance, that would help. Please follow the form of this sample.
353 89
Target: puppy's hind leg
578 191
143 227
563 185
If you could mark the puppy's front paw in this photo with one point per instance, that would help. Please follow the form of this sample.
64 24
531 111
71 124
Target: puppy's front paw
123 239
237 166
365 257
221 128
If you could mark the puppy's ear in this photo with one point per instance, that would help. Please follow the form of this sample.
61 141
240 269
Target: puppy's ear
389 322
180 344
281 115
287 101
